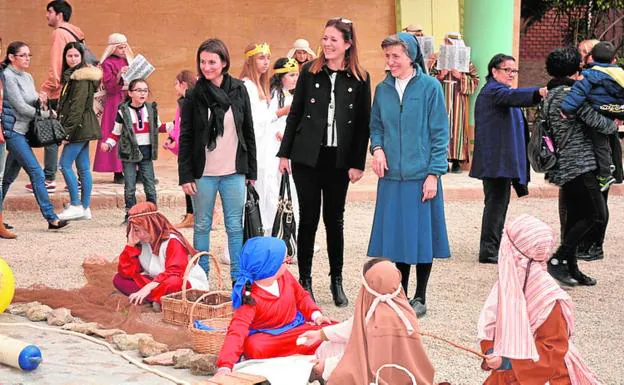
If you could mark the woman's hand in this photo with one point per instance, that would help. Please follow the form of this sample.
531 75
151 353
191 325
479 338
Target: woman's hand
380 165
1 135
430 188
493 362
284 165
122 71
355 175
250 181
43 98
105 147
456 74
323 319
543 92
279 135
133 241
189 188
283 111
138 297
311 337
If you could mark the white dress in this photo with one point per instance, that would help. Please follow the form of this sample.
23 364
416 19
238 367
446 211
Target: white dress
271 177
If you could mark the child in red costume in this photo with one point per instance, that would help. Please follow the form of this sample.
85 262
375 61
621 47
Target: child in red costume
271 308
153 262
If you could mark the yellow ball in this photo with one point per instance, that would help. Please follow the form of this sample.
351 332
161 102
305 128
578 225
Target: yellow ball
7 285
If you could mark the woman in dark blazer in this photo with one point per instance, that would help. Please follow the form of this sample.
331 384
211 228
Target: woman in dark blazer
217 149
326 138
500 157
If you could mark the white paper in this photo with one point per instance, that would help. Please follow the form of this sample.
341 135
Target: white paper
292 370
426 45
453 57
140 68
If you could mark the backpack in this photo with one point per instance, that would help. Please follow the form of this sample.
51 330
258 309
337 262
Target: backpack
542 150
89 57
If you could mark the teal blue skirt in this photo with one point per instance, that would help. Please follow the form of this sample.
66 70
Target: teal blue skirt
405 229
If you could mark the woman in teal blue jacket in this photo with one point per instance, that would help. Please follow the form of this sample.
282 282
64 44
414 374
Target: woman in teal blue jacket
409 139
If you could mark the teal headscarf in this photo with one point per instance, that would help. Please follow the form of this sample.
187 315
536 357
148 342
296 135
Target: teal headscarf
413 50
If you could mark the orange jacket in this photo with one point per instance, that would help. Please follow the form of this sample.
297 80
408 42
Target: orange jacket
60 38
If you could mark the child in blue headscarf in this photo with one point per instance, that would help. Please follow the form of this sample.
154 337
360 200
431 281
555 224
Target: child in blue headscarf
271 309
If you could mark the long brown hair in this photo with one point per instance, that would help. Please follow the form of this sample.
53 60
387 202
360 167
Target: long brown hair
250 71
187 77
352 63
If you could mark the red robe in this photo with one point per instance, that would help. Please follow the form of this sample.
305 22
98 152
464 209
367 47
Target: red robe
551 340
170 280
269 312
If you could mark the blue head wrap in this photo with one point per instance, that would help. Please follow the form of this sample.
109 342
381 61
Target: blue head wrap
413 49
260 258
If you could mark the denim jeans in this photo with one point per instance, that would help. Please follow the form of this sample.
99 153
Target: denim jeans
79 153
50 161
231 188
21 155
2 163
146 170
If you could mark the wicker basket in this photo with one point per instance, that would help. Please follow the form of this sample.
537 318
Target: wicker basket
207 341
176 307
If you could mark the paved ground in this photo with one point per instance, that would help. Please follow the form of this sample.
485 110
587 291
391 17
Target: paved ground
457 289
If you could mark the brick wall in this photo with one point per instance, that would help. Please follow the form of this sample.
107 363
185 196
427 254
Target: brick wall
535 45
168 32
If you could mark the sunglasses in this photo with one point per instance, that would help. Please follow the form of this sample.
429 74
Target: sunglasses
342 20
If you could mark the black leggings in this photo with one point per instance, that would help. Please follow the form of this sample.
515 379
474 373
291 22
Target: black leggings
423 271
327 183
585 213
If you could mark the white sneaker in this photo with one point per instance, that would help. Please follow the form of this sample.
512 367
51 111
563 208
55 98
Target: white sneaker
72 213
87 214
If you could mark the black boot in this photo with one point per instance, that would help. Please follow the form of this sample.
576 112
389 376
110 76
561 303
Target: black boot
340 299
581 278
560 272
594 253
306 283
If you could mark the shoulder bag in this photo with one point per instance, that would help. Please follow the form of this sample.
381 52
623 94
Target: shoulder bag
284 226
44 131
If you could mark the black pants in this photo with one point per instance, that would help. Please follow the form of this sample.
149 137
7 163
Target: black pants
595 237
586 212
602 151
497 193
327 183
189 204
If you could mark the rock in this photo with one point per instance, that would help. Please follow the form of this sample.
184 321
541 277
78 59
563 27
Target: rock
182 358
84 328
128 341
60 317
203 364
148 347
107 333
38 312
165 359
21 308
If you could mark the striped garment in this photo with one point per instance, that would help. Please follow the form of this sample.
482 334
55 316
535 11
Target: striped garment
514 309
457 98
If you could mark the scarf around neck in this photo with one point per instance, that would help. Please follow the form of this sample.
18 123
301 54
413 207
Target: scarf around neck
218 101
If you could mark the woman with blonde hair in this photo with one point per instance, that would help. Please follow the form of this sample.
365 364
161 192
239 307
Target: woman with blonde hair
115 61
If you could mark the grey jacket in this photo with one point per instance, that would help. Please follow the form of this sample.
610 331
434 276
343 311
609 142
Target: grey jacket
22 96
577 155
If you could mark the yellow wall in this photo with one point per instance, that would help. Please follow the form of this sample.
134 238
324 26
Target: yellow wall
436 16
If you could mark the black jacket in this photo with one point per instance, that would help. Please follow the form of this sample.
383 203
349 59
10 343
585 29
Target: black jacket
307 120
194 122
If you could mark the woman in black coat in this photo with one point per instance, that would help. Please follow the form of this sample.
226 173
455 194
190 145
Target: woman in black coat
217 149
326 138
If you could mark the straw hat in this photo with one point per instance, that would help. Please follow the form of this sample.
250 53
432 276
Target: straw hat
413 28
301 45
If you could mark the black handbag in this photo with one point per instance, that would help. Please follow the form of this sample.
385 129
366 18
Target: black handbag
284 226
44 131
253 220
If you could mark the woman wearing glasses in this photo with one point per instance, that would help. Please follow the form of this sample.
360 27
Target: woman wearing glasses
22 98
500 158
325 138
